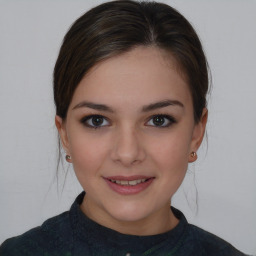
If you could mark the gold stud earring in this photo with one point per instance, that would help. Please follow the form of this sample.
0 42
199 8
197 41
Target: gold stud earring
68 158
193 154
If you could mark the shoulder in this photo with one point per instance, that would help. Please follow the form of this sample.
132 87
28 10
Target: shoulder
208 243
53 234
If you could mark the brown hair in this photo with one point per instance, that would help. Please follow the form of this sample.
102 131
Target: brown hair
116 27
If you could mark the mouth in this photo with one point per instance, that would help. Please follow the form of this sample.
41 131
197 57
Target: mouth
129 182
128 185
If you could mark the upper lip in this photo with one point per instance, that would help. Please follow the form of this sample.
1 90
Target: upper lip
128 178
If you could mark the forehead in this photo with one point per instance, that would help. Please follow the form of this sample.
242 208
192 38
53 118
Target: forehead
142 75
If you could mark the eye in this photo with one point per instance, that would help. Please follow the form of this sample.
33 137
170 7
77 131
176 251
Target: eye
95 121
161 121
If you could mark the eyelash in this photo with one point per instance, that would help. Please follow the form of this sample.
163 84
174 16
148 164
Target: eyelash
169 118
85 120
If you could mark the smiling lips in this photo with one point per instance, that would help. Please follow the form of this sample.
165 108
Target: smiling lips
128 185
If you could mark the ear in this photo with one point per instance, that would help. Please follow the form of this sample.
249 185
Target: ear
198 135
61 126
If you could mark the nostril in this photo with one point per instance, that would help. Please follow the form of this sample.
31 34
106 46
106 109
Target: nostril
127 149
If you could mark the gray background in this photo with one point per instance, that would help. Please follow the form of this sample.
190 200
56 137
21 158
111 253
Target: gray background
225 174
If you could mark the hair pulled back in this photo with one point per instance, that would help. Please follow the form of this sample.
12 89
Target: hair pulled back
116 27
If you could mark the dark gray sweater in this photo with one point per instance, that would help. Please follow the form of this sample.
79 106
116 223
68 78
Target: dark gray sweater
72 233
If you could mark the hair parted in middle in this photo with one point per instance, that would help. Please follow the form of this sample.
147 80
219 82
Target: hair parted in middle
116 27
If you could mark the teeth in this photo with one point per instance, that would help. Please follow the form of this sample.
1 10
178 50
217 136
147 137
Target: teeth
133 182
126 182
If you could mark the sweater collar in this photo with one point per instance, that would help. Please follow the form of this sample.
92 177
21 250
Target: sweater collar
89 231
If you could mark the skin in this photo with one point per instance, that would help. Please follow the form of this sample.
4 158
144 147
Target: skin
129 142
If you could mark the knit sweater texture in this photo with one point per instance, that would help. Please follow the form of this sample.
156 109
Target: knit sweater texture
73 234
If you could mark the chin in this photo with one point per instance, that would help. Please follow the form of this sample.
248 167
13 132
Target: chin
129 213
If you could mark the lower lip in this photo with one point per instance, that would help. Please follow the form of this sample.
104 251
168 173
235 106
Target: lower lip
129 190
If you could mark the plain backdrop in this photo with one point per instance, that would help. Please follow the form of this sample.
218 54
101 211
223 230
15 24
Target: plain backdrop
224 176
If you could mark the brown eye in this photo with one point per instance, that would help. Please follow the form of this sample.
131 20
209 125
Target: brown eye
158 120
161 121
95 121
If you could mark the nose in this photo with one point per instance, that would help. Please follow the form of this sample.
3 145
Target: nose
127 147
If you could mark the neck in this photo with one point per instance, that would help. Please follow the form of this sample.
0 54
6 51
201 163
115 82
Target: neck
159 222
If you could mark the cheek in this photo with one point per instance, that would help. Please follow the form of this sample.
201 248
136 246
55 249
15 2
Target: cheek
88 154
173 149
172 163
170 157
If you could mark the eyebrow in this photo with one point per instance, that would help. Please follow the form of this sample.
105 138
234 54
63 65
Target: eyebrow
162 104
147 108
95 106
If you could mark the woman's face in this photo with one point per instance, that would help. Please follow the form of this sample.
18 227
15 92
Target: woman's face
130 131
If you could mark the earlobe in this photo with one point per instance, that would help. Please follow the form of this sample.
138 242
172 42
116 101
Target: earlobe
198 135
192 157
60 125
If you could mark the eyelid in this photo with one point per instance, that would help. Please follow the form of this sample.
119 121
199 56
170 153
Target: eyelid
85 119
170 118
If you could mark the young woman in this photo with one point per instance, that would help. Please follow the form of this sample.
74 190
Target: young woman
130 86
